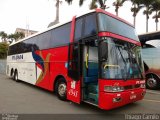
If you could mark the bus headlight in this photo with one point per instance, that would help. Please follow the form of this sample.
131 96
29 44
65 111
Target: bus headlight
113 88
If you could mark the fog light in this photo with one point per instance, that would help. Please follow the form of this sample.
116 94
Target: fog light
117 99
143 93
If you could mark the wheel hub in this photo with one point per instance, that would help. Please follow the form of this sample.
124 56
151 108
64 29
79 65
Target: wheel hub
62 89
151 82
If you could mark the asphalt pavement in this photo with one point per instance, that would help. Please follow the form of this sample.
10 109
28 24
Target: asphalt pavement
24 98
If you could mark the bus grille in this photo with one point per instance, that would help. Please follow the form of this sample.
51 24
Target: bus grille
131 86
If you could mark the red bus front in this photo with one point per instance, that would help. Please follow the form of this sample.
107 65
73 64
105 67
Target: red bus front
120 65
120 78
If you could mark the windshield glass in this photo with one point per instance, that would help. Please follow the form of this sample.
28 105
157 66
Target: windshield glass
120 59
109 24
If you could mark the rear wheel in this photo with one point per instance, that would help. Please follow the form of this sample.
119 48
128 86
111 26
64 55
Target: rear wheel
16 76
61 88
152 82
12 74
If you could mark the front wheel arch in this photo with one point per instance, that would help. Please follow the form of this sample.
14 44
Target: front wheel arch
12 73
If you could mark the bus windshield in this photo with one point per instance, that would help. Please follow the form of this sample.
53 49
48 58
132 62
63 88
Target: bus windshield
109 24
120 60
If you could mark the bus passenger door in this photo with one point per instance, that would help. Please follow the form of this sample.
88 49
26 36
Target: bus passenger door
90 73
74 83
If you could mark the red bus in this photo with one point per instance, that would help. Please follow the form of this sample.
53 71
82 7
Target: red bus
150 54
95 58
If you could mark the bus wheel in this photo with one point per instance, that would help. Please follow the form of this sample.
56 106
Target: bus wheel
12 74
61 89
152 82
16 76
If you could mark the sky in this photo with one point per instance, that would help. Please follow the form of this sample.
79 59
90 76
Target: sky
37 14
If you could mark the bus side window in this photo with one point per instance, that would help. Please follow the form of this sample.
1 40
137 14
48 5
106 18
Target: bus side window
90 25
78 29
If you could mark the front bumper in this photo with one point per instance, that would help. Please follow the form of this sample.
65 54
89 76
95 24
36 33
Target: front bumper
109 101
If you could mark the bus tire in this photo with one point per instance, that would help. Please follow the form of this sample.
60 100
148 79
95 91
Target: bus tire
152 82
12 74
61 89
16 76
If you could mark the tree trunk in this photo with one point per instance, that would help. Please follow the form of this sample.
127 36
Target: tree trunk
147 17
146 22
134 21
117 12
134 16
156 26
156 20
57 11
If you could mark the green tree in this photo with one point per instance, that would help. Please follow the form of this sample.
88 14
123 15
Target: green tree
101 3
156 8
21 35
3 50
136 7
80 2
16 36
11 37
156 17
58 2
93 3
148 6
118 4
4 36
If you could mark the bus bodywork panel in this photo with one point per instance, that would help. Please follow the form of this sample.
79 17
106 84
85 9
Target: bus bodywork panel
150 54
41 67
132 93
151 59
54 64
26 71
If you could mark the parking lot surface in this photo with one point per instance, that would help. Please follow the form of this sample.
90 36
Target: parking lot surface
23 98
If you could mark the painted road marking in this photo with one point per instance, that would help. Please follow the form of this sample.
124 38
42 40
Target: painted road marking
153 92
151 100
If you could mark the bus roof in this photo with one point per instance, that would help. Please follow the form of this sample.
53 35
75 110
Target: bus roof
67 21
149 36
148 33
113 16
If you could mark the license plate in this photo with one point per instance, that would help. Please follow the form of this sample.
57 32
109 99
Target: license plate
133 96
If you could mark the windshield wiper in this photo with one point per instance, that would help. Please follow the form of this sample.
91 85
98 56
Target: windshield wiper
124 63
139 69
